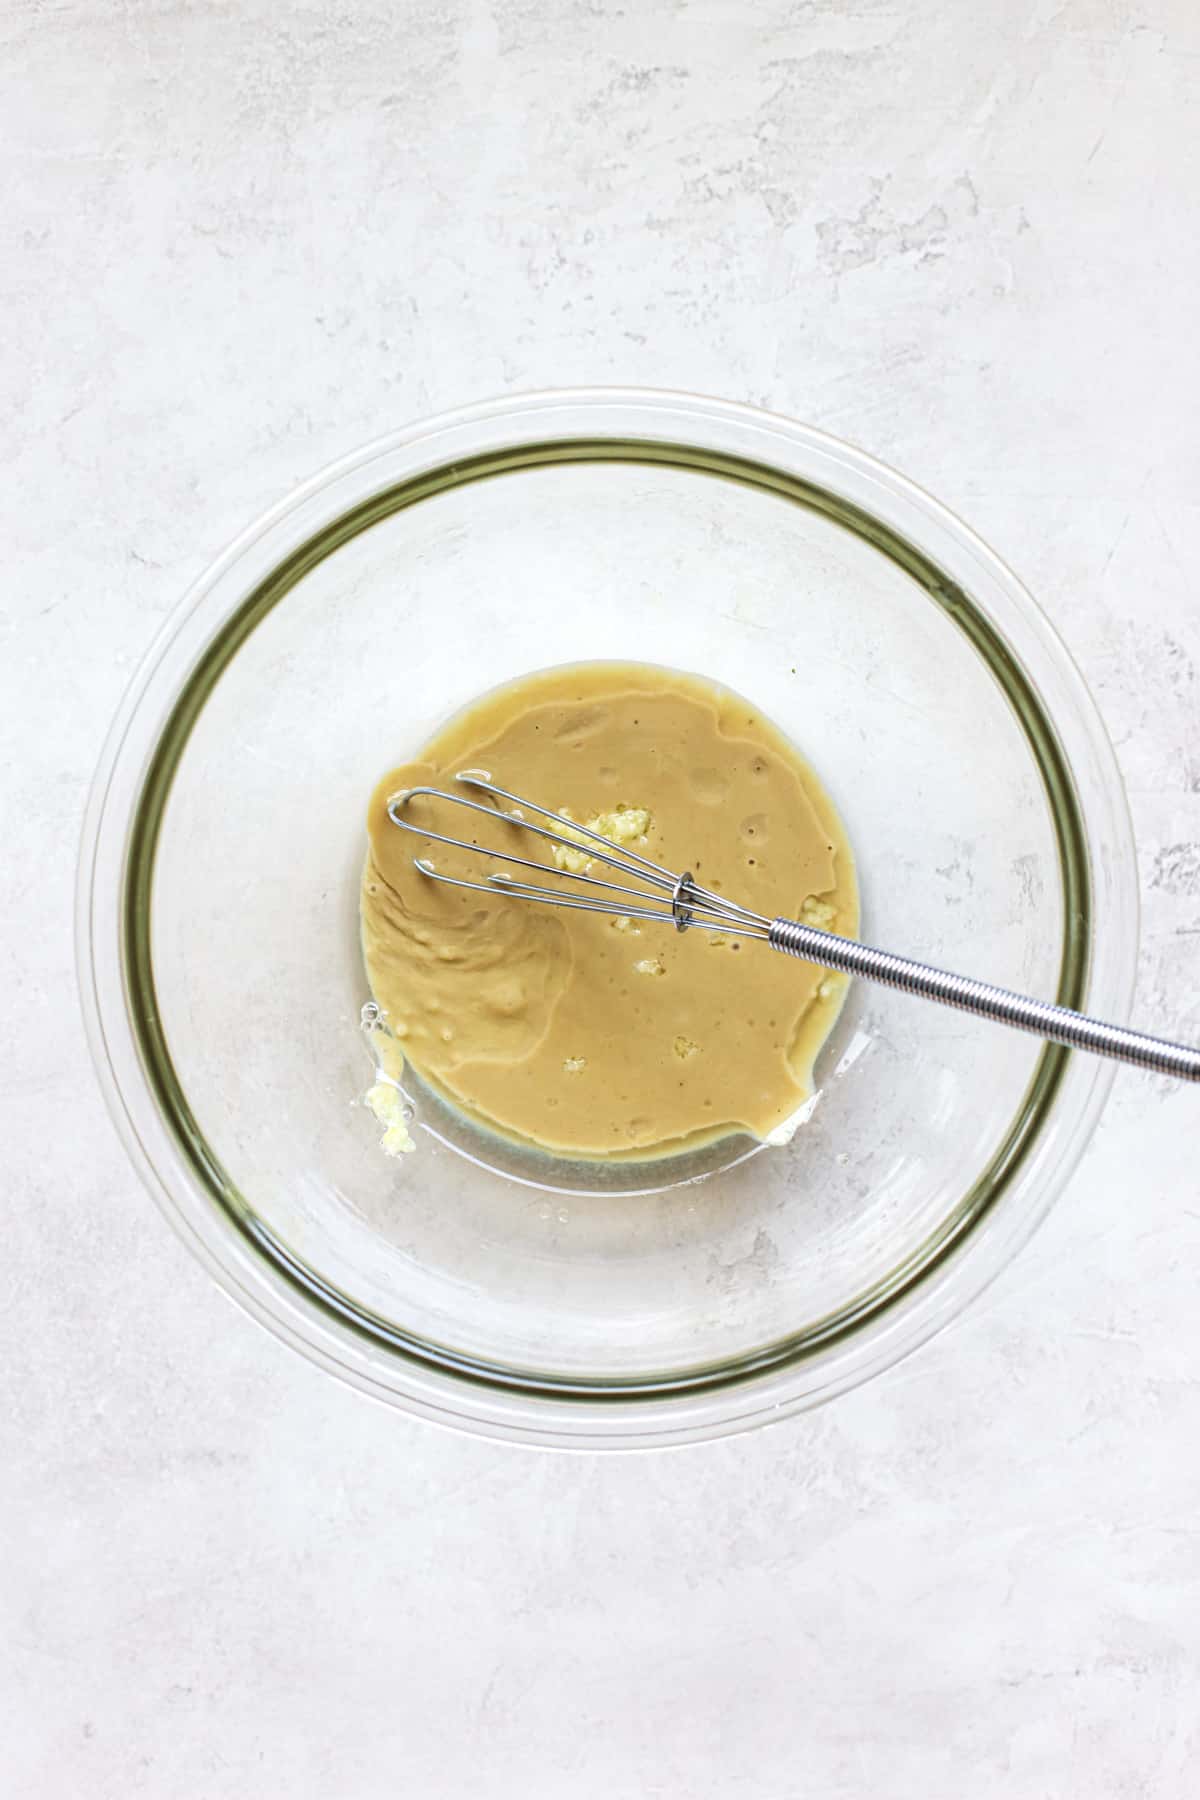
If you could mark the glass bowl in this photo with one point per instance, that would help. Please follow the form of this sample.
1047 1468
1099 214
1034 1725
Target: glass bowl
488 1287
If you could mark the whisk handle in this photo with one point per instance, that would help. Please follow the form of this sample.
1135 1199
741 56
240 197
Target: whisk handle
1057 1023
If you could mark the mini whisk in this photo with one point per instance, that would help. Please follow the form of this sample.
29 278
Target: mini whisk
681 901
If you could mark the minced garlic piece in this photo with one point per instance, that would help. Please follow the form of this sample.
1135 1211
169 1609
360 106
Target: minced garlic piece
624 825
387 1103
384 1096
818 913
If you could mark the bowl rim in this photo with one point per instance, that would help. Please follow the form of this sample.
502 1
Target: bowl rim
283 1298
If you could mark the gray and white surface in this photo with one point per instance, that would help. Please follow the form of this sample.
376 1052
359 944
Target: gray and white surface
242 238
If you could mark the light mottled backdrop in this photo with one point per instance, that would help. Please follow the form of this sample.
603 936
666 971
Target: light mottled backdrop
240 237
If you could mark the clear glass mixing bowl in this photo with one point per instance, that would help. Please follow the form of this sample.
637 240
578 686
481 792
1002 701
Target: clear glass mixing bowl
217 916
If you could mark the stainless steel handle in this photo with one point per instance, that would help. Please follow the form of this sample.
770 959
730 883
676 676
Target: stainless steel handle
1057 1023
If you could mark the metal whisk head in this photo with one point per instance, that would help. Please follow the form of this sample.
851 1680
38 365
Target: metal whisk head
677 900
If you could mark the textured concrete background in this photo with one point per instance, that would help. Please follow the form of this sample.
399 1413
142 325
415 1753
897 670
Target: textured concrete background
242 237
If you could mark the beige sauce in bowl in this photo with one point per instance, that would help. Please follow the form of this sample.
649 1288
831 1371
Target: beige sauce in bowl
596 1036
